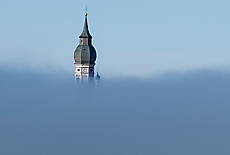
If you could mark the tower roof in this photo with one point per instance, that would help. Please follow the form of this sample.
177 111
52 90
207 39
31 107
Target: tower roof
85 53
85 32
97 77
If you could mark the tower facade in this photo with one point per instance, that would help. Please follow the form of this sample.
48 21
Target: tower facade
85 56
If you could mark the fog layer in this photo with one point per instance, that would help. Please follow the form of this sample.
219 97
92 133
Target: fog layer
173 114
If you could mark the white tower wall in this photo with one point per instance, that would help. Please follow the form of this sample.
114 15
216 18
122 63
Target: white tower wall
84 71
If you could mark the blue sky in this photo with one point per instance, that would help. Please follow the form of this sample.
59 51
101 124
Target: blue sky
132 38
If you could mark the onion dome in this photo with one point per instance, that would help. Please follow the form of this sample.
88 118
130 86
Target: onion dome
85 52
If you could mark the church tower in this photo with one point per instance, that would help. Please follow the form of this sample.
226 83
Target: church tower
85 56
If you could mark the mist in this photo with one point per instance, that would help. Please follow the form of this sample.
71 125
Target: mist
175 113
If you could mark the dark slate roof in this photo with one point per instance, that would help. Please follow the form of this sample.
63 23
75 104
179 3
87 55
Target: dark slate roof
85 54
85 32
97 77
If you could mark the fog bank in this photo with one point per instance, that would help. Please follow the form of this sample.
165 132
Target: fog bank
170 114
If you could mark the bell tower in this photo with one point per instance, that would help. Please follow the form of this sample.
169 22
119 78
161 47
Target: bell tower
85 56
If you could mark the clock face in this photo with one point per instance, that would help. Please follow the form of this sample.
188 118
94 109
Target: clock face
84 70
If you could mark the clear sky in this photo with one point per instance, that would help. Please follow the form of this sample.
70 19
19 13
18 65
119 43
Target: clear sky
132 38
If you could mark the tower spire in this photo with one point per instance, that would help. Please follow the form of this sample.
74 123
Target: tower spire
85 32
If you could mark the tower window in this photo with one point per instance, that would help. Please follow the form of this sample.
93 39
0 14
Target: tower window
78 70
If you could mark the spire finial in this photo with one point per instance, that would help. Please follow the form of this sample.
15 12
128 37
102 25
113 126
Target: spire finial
86 11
